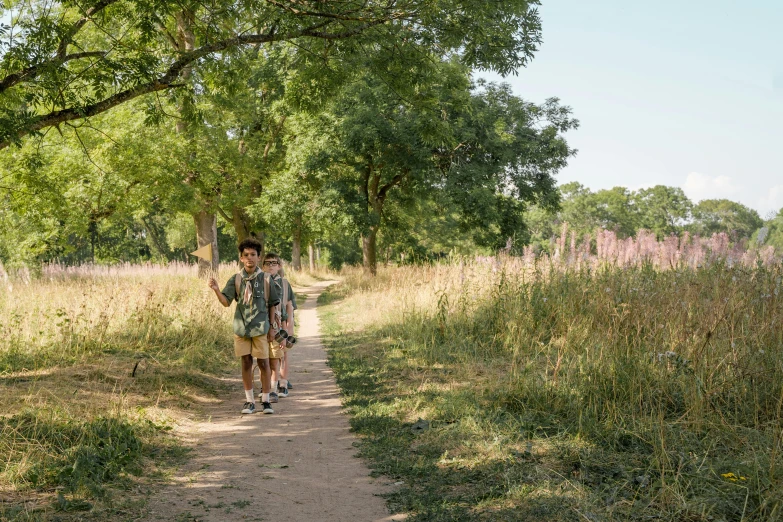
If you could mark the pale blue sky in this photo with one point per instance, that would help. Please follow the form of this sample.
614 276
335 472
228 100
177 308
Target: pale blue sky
685 93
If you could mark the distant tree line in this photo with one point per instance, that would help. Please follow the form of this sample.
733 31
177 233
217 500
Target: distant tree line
663 210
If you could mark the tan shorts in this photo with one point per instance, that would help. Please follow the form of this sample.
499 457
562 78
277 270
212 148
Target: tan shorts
275 352
258 347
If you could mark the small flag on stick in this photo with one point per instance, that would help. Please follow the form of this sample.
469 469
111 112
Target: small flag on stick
204 253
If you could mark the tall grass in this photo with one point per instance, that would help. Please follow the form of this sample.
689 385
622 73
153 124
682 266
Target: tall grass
96 365
569 391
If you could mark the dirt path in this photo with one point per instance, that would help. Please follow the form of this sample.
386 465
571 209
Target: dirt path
295 465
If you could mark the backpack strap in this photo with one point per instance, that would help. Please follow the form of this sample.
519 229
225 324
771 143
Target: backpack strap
237 284
267 279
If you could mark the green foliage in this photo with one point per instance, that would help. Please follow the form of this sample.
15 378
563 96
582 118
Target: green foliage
475 150
96 192
721 215
213 107
663 210
505 154
65 61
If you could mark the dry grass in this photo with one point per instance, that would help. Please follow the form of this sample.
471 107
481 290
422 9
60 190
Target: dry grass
557 393
93 359
97 365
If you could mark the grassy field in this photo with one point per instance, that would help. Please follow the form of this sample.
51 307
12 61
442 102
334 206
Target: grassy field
96 367
498 393
490 390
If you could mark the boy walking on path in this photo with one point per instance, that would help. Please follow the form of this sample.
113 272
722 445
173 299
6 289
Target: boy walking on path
283 318
256 297
287 307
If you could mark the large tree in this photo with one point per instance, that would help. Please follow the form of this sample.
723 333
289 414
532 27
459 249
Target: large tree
663 210
711 216
488 151
609 209
64 61
503 155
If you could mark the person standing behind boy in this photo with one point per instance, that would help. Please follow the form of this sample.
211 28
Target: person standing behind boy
278 358
255 296
287 307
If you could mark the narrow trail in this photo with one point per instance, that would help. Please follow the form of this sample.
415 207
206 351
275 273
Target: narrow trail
297 464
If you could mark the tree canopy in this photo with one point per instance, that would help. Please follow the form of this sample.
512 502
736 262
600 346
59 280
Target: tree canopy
485 150
63 61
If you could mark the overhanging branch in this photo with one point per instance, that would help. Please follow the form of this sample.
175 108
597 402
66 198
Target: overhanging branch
169 79
34 70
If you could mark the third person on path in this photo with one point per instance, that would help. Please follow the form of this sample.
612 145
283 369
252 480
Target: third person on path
284 315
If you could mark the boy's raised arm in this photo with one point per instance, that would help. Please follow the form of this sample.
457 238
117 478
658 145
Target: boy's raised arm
213 284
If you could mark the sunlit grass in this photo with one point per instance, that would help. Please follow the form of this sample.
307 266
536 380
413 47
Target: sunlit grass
97 365
567 394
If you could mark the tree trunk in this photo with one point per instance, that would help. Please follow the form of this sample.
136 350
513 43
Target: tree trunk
206 232
368 251
93 238
296 247
311 255
242 226
241 222
206 221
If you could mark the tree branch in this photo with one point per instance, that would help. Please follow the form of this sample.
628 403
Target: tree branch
34 70
229 220
168 80
301 12
76 27
396 180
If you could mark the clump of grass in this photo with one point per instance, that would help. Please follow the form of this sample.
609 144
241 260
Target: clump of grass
75 456
601 393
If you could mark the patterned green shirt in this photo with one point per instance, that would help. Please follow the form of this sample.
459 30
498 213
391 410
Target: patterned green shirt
251 320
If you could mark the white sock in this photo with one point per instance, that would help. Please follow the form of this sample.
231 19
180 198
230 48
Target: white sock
264 397
283 383
249 396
